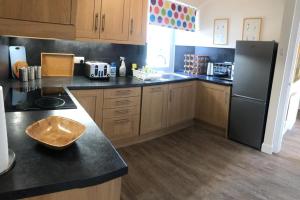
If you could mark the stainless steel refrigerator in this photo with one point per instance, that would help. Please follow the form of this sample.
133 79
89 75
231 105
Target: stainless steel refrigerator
252 84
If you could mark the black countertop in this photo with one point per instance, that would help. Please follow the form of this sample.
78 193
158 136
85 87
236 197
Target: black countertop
81 82
90 161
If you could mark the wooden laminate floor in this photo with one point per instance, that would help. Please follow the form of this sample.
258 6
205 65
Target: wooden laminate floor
194 164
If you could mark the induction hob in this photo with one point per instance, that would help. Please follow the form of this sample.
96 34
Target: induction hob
45 98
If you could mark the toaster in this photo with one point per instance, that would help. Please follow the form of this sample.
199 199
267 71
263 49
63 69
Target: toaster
97 70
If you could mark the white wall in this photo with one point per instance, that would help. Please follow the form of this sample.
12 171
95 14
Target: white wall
236 10
282 78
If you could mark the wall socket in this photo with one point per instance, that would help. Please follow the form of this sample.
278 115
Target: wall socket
78 60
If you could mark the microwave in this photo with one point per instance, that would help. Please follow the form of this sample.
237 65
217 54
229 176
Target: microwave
223 69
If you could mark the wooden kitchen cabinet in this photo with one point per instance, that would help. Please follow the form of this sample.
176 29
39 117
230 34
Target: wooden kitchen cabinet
138 19
92 102
88 20
115 19
118 21
181 104
38 18
47 11
154 108
213 104
121 113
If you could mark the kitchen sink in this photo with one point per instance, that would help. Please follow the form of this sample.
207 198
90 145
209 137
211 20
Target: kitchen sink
169 76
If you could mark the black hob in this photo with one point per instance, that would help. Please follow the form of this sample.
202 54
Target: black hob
46 98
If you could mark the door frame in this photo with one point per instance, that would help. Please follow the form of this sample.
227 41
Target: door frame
283 78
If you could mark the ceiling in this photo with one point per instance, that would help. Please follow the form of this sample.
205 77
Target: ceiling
195 3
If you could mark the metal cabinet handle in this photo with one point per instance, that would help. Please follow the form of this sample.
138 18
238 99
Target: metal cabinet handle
131 26
122 111
96 21
103 23
122 102
123 92
122 121
156 89
226 98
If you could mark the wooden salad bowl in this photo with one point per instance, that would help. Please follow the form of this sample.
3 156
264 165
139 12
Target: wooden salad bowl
56 132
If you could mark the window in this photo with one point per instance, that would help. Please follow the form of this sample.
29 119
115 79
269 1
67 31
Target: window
160 48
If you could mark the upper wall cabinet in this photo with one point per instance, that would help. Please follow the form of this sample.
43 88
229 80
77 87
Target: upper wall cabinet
118 21
138 21
88 19
115 19
38 18
48 11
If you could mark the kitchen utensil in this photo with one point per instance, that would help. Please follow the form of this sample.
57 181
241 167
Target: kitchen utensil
57 64
23 72
38 72
56 132
31 73
17 59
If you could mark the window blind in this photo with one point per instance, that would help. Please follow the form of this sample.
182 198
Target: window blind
172 15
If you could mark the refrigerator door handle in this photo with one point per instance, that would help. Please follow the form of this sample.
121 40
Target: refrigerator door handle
249 98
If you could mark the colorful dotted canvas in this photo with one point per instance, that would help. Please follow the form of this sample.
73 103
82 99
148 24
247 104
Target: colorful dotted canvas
173 15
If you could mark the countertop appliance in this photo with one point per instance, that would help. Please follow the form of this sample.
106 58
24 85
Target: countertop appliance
252 84
45 98
97 70
222 69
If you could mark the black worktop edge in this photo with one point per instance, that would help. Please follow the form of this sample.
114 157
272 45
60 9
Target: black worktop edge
49 189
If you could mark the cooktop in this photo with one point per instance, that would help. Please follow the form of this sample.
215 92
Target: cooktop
45 98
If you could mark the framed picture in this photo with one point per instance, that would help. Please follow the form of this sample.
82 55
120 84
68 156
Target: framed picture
252 29
297 70
221 31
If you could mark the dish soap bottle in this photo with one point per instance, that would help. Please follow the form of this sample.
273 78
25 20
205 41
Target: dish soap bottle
122 70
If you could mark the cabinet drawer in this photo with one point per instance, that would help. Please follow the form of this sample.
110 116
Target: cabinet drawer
121 112
122 102
119 128
125 92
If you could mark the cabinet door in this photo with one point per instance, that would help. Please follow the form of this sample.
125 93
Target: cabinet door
120 128
92 102
181 103
115 19
154 108
138 21
188 105
88 19
213 104
48 11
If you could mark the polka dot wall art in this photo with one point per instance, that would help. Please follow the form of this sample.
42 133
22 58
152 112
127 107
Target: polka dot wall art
173 15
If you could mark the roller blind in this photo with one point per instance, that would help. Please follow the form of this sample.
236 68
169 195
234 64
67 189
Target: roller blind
172 15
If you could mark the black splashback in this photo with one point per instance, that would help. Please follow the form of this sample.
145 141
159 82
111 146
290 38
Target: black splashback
217 55
4 58
179 56
105 52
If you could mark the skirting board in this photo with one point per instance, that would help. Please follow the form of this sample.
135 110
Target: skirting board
266 148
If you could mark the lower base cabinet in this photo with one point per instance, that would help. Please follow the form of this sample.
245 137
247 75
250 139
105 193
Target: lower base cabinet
213 103
110 190
154 108
127 113
181 104
123 127
121 113
92 102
